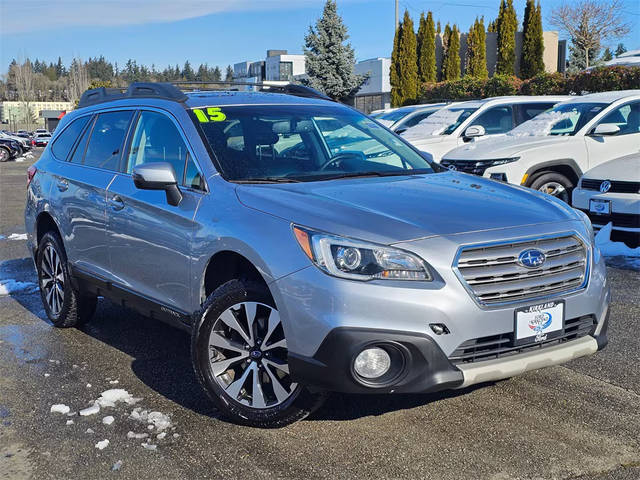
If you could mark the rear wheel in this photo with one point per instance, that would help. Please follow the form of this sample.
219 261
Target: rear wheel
554 184
65 306
239 353
4 155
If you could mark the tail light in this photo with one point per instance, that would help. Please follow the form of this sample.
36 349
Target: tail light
31 172
33 142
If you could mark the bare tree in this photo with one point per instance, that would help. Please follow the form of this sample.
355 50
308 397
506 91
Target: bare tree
78 80
589 23
24 78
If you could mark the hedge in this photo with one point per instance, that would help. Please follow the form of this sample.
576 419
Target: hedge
600 79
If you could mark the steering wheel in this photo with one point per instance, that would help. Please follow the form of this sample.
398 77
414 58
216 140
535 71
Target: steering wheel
338 158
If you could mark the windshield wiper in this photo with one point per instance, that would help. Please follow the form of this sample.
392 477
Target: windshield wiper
265 180
401 173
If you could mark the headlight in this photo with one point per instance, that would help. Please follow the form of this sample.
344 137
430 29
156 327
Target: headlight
356 260
500 161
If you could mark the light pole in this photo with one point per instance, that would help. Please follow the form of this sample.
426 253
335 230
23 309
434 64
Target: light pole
397 15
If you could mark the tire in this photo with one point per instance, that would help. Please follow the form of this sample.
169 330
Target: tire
64 305
217 367
5 155
554 184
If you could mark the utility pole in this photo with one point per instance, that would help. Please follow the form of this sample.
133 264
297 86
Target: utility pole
396 15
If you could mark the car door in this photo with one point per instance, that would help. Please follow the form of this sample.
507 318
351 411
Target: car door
80 185
602 148
150 240
495 120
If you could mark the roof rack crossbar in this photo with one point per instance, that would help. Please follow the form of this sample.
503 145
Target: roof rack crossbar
288 89
165 91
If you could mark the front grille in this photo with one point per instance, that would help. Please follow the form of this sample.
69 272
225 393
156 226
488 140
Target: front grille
616 186
465 166
626 220
499 346
494 276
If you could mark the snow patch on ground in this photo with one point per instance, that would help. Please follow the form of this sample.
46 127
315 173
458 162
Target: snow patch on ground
92 410
156 420
629 256
60 408
17 236
109 398
89 431
9 286
70 422
101 445
138 436
108 420
148 446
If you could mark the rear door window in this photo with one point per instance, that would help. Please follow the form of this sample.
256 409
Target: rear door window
107 139
64 143
81 146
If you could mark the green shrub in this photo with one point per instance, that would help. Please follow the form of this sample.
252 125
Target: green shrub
545 84
501 85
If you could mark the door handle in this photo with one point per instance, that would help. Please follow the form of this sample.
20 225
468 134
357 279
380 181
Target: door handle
63 185
116 203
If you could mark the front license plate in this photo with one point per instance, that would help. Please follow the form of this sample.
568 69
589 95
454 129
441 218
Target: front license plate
600 207
538 323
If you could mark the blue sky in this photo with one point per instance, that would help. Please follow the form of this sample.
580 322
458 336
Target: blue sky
218 32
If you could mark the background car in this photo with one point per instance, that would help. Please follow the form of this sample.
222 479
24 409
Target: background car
456 124
41 139
550 152
9 149
401 119
610 193
25 143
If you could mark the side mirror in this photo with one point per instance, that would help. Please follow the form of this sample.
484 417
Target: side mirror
606 129
475 131
158 176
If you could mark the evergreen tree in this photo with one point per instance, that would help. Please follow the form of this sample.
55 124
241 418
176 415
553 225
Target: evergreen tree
405 64
492 27
476 64
607 55
451 61
426 49
394 72
577 61
60 70
506 24
620 49
439 28
187 72
330 60
216 75
532 62
228 76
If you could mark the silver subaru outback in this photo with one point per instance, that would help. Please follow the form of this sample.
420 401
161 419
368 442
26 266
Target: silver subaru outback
306 249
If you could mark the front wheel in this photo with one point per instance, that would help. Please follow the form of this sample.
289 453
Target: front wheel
4 155
239 354
554 184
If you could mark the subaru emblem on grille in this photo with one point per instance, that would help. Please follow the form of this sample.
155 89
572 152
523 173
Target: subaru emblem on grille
452 167
531 258
605 186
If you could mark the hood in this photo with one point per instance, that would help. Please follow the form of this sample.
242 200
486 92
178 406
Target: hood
624 169
504 146
395 209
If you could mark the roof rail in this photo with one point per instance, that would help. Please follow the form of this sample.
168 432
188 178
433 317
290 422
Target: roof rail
288 89
165 91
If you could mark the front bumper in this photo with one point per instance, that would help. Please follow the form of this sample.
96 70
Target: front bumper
328 321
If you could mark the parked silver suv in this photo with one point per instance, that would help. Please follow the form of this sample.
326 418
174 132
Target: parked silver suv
306 248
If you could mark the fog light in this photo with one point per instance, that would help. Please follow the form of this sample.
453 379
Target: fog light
372 363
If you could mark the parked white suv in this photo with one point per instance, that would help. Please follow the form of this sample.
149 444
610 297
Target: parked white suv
550 152
403 118
610 193
460 123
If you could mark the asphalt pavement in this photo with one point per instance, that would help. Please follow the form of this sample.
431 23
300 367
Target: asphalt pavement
576 421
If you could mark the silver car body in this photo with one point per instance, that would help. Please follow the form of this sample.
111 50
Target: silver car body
159 254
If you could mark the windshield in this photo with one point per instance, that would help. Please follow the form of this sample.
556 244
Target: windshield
277 143
395 115
562 120
443 122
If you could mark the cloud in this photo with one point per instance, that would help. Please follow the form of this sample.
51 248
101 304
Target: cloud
23 16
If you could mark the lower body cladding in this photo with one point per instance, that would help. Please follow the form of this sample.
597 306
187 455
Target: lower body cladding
394 337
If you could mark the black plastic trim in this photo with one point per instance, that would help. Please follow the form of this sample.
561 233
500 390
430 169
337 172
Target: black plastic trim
91 283
165 91
565 162
426 368
603 337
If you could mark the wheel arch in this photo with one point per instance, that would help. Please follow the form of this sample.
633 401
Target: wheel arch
45 223
567 167
227 265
